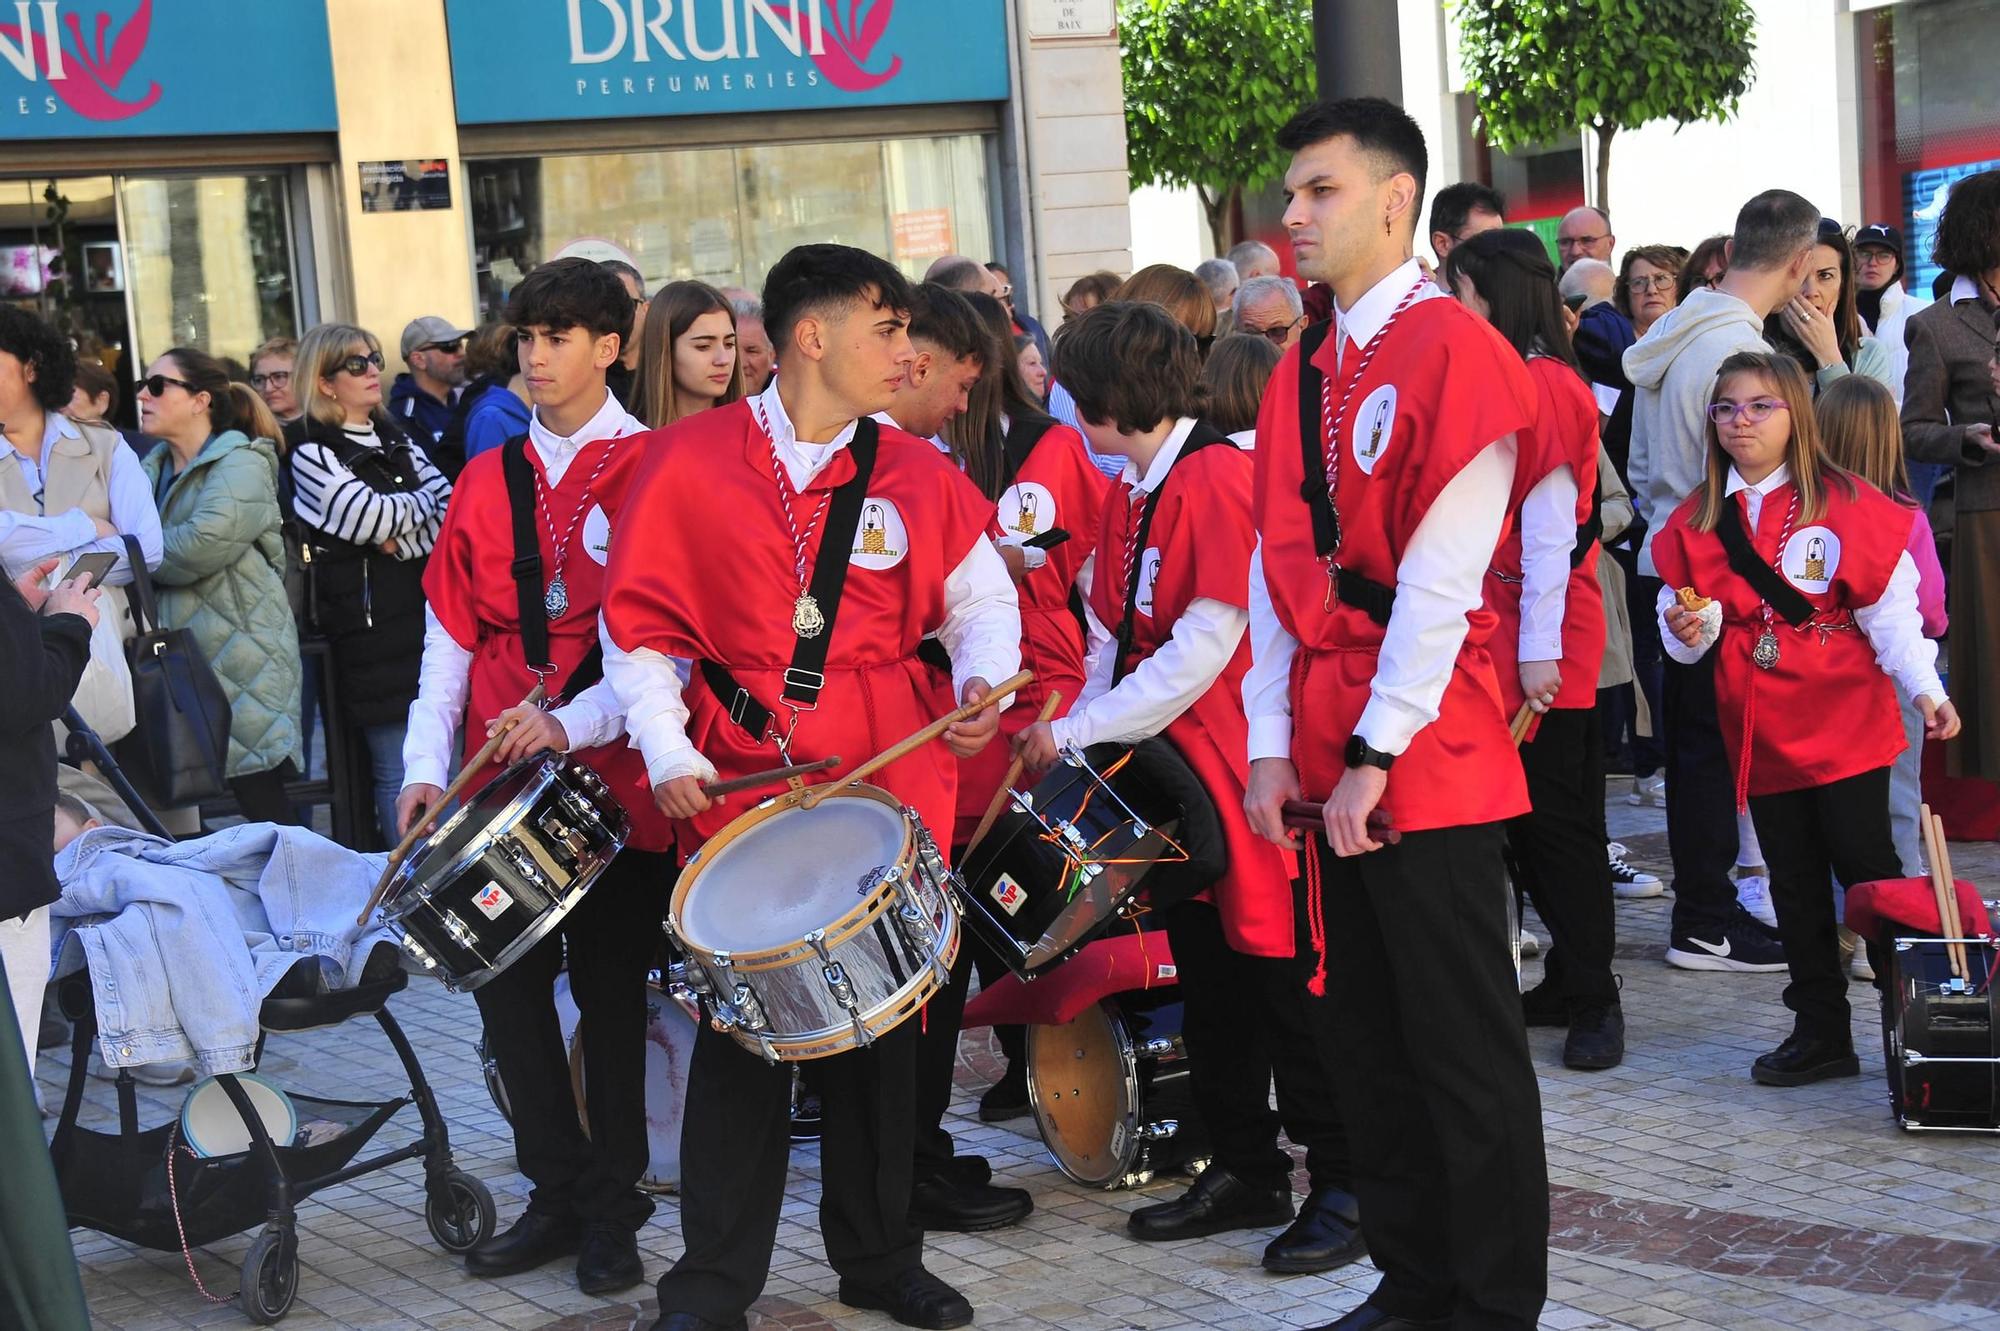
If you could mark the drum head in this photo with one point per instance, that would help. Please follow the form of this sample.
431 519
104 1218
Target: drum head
791 873
1081 1084
670 1035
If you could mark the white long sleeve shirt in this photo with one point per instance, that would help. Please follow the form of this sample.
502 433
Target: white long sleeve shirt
1438 582
1548 537
981 628
28 538
1167 683
444 678
1893 625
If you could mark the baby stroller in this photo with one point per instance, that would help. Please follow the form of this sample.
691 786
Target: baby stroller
148 1187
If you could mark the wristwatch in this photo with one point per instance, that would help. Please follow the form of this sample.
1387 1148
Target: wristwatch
1360 755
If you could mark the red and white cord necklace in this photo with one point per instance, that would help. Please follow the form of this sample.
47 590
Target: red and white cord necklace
1765 654
808 621
555 600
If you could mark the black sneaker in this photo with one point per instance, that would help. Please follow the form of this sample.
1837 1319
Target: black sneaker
1543 1006
1740 944
1596 1037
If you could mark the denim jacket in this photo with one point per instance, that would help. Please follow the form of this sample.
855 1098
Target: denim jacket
184 940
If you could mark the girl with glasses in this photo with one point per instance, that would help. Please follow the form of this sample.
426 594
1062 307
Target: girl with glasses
367 502
1811 631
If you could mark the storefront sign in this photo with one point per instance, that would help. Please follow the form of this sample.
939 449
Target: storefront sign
415 185
105 68
530 60
925 234
1924 195
1071 18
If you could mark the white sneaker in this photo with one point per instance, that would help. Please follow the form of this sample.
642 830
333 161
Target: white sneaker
1648 791
1753 893
1531 946
1855 953
1627 881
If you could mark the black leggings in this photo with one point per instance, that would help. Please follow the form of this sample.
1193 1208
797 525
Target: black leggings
261 795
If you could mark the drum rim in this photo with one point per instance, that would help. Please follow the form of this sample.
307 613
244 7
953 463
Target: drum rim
1128 1066
857 918
550 763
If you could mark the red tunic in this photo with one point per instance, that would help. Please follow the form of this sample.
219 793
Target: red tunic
470 586
1825 711
1200 546
1564 435
1441 388
1056 487
703 569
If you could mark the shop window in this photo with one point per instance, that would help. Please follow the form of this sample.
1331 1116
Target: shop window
209 262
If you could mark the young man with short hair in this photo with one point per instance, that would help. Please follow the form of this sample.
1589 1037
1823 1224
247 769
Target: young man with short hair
479 661
1462 211
700 664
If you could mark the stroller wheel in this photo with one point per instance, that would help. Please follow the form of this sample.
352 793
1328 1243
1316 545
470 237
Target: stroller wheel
270 1275
459 1210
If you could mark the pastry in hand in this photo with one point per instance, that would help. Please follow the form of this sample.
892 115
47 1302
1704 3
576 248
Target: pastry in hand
1693 601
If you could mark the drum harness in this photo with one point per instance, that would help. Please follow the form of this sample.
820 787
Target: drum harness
527 572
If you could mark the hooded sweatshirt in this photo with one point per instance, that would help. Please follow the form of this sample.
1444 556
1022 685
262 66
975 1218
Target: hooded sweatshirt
1672 369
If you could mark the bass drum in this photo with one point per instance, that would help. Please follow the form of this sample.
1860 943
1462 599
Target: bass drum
1110 1091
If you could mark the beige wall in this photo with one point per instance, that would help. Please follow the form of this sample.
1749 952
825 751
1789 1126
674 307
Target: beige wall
392 83
1079 191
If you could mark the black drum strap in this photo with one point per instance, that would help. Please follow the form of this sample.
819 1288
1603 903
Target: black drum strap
1372 598
1766 581
527 570
1203 436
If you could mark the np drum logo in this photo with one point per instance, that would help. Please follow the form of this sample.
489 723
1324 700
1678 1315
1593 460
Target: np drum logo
492 901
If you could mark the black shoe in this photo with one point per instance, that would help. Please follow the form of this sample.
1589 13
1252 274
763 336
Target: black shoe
1218 1202
1370 1318
940 1202
1742 943
609 1260
1325 1237
1544 1005
1596 1037
533 1240
969 1170
691 1322
1802 1059
1007 1098
914 1297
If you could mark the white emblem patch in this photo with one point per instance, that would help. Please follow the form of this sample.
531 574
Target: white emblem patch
881 541
1374 427
1149 573
597 534
1027 509
1811 558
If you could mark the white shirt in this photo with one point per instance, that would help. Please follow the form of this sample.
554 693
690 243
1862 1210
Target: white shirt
444 678
981 628
1548 537
26 539
1166 683
1893 625
1438 581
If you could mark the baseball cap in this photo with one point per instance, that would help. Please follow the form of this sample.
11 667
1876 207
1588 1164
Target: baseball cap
1879 233
427 330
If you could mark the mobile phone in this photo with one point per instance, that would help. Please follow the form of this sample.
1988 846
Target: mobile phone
93 566
1048 540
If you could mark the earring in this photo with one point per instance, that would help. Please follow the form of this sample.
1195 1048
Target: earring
1385 226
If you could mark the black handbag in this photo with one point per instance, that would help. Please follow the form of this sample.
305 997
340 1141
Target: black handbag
177 753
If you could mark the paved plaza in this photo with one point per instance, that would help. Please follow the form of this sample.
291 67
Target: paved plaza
1683 1194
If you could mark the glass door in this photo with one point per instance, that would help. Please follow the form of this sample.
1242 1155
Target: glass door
60 258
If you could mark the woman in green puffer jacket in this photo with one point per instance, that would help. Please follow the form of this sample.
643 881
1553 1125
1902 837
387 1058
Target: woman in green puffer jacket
223 574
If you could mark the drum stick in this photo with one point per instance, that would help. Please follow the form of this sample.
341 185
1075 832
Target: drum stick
930 732
1014 768
1940 882
767 778
1954 926
1306 815
417 826
1524 721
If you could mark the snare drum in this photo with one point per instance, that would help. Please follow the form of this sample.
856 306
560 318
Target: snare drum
505 869
1060 866
813 931
1110 1091
1940 1045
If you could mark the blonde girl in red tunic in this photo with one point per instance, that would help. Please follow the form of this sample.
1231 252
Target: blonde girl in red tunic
1799 575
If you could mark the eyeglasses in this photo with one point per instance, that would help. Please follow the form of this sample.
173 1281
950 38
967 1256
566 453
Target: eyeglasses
156 384
1277 334
1578 242
1658 282
1004 293
451 348
274 379
1757 410
358 365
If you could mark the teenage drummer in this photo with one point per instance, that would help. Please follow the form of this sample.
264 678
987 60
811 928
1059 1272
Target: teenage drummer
566 473
832 546
1173 573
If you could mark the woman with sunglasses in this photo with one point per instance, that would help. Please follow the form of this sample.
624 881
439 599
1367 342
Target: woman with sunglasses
1821 618
368 502
222 576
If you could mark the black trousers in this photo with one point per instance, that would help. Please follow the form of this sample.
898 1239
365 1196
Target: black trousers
1642 594
1243 1020
937 1048
1701 798
735 1150
1839 830
1422 1017
261 795
1559 850
610 940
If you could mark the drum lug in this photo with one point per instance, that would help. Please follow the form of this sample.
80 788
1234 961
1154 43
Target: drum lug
1160 1046
461 935
1157 1132
838 984
523 861
749 1012
418 954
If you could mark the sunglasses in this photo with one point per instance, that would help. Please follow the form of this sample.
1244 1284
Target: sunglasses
358 365
1277 334
156 384
1757 410
275 379
451 348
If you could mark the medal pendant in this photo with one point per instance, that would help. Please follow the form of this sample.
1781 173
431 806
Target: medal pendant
807 621
1765 653
556 599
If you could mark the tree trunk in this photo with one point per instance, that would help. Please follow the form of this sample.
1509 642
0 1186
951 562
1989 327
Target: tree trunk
1221 208
1604 133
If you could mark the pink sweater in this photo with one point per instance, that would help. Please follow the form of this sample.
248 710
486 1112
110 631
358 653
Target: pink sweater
1930 576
